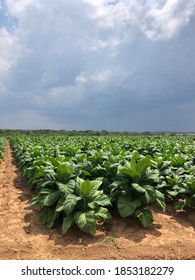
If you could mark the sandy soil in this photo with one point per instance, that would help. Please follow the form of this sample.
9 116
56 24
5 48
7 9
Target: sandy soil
22 236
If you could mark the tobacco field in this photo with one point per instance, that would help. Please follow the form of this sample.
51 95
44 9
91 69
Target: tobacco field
84 181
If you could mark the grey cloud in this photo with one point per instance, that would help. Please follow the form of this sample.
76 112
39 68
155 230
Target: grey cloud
71 72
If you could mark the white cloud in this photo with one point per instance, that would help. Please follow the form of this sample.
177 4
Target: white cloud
81 78
110 15
166 22
6 42
17 7
9 49
111 43
98 76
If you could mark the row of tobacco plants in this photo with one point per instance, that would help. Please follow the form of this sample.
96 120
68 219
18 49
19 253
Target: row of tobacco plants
2 146
81 180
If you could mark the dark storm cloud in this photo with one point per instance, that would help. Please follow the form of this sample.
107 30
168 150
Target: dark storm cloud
99 65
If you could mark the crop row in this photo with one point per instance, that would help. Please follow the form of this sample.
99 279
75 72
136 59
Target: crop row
81 180
2 146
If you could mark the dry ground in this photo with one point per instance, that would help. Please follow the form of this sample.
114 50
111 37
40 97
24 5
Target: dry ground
172 235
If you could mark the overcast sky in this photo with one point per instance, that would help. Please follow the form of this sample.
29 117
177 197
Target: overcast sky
117 65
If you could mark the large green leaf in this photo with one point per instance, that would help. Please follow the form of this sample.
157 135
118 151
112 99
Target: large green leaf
51 198
67 223
126 206
145 217
133 163
136 176
66 188
143 164
102 213
138 188
95 185
152 175
86 221
98 199
85 188
60 205
160 199
70 202
150 194
63 173
48 216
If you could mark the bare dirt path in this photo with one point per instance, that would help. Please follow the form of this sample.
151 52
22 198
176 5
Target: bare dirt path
172 235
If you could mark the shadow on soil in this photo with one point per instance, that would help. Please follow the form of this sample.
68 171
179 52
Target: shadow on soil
185 218
110 229
127 228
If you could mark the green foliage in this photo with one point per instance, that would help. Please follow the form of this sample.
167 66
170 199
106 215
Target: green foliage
2 146
126 206
80 203
145 217
77 180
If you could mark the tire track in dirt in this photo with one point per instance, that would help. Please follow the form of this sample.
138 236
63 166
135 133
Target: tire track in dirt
13 206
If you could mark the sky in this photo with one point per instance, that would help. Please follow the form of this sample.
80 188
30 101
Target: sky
115 65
